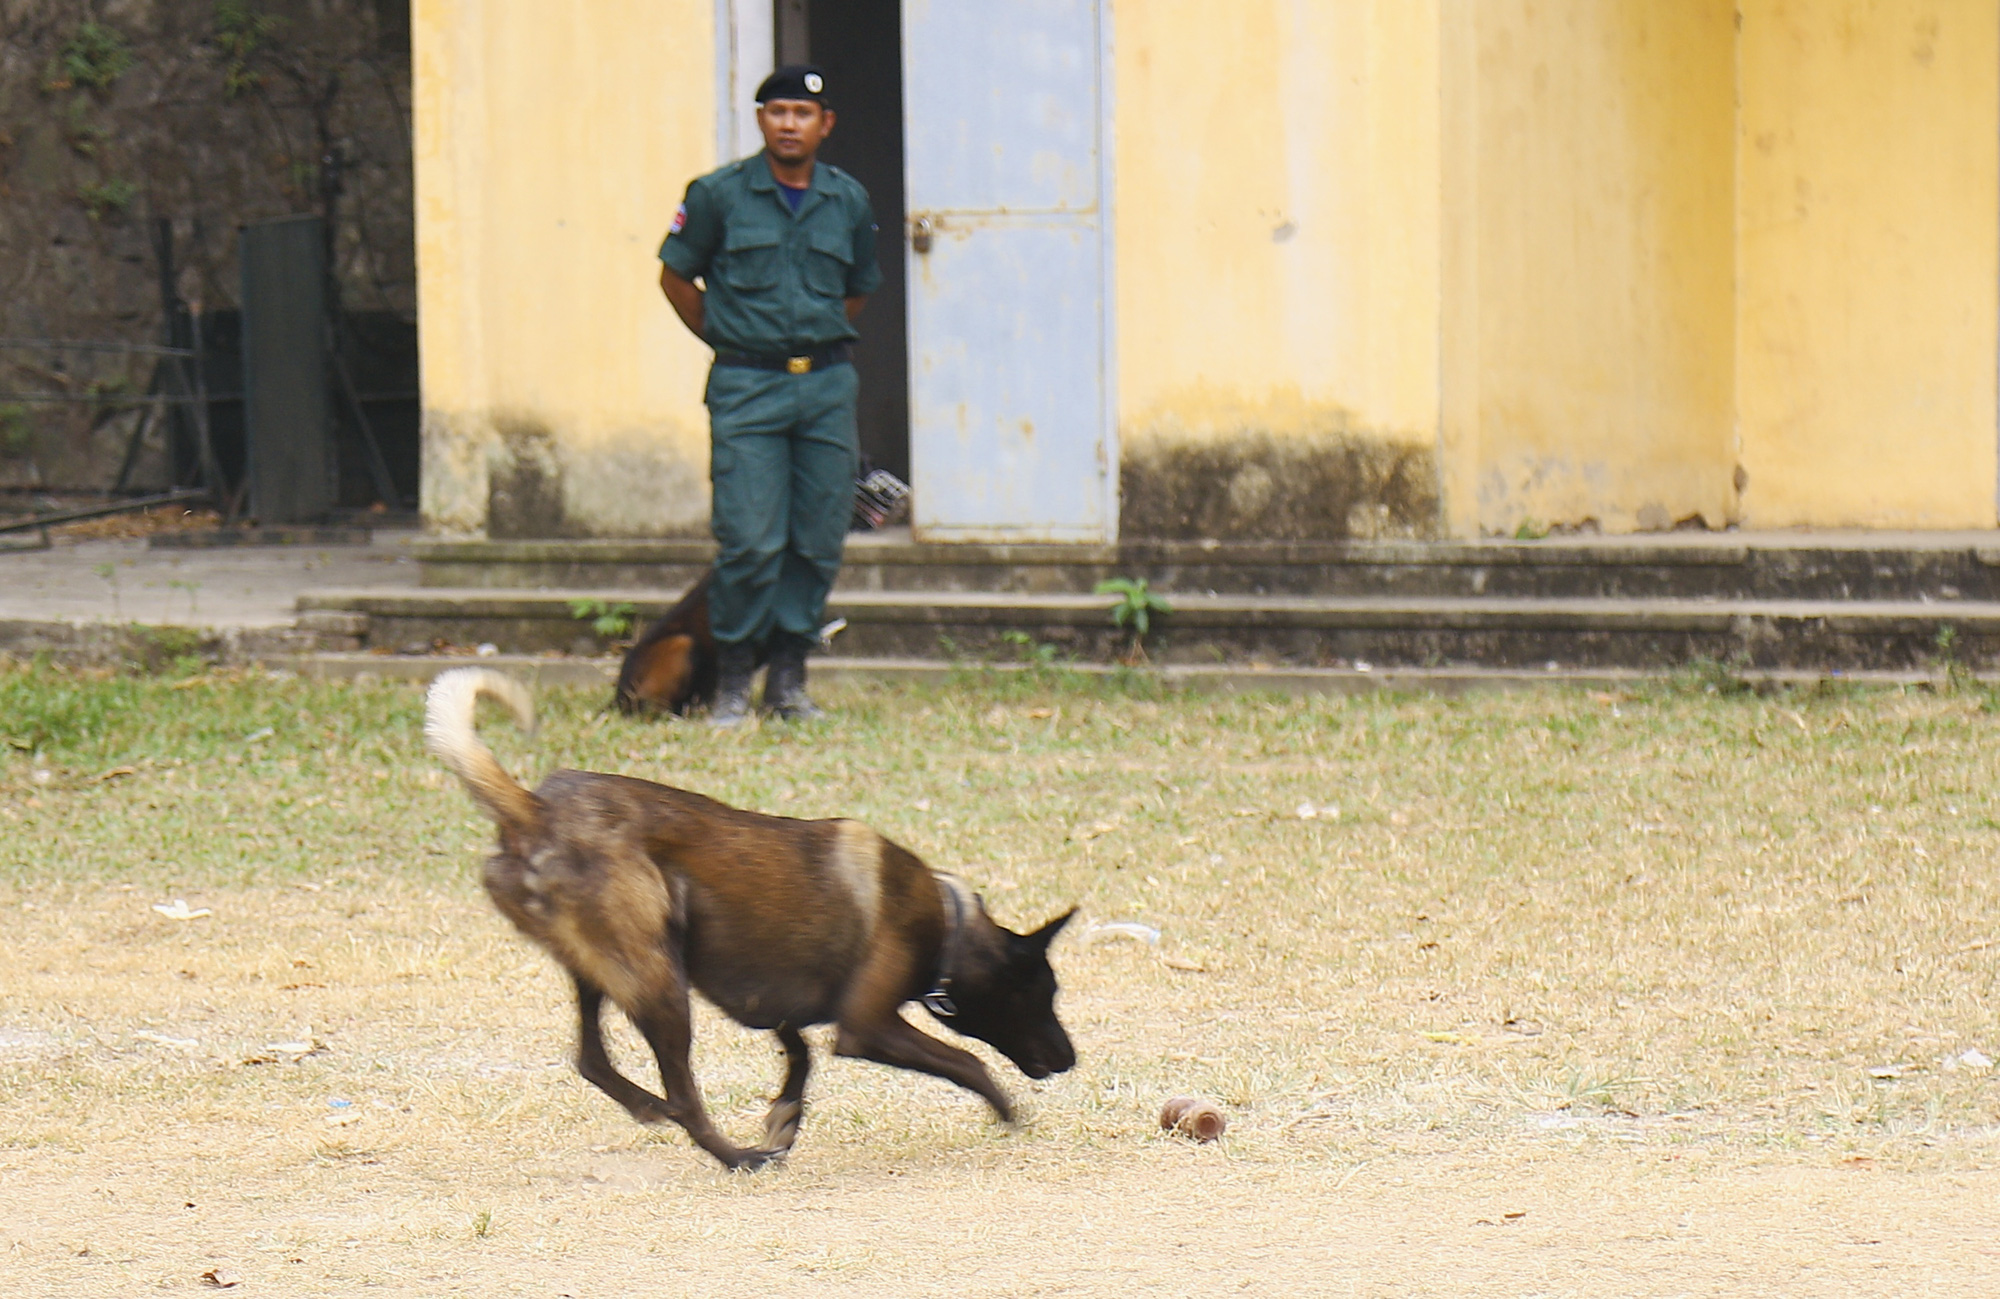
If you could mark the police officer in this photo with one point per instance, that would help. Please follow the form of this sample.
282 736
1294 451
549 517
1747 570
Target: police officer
785 249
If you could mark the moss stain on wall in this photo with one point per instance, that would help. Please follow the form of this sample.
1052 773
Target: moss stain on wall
635 484
524 496
456 483
1260 486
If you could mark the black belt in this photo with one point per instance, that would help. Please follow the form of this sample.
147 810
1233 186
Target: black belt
805 363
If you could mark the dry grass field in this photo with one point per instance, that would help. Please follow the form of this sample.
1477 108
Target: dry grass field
1565 993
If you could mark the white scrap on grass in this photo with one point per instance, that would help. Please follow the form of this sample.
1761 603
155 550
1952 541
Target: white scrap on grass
178 909
1317 812
1133 929
1972 1059
164 1040
486 649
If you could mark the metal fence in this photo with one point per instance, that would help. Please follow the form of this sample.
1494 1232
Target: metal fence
179 380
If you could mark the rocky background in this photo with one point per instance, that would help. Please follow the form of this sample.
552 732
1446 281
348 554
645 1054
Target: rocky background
210 114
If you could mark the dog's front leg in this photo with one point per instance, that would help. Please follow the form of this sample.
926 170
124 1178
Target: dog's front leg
894 1041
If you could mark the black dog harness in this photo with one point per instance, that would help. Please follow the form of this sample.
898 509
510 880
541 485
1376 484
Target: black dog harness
938 1000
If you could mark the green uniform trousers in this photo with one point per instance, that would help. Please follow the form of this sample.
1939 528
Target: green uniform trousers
781 465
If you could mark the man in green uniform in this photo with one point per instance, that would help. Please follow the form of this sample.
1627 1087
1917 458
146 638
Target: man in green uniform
785 249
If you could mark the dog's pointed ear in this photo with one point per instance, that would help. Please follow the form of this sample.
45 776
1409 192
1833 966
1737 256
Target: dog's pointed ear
1047 933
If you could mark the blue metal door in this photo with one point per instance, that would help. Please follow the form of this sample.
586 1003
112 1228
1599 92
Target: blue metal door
1006 153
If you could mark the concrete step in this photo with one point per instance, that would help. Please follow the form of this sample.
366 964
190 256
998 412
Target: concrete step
1303 631
1848 566
542 670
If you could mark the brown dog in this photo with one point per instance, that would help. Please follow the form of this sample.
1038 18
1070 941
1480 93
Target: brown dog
643 891
672 666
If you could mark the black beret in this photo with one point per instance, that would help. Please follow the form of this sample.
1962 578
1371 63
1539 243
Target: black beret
795 81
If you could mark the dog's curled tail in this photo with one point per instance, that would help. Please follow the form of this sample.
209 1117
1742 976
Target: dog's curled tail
449 732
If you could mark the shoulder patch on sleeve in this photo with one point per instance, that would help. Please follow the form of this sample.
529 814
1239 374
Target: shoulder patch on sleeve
679 222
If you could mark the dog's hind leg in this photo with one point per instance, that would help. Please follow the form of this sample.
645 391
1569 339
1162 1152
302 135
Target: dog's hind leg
595 1065
781 1125
664 1023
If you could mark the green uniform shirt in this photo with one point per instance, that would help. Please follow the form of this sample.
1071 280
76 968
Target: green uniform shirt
776 280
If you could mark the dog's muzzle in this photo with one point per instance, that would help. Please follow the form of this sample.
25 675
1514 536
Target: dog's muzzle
1040 1066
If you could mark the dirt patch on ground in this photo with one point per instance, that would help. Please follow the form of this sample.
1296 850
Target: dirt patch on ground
1552 994
334 1090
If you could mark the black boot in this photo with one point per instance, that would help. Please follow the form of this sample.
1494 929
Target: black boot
785 682
734 666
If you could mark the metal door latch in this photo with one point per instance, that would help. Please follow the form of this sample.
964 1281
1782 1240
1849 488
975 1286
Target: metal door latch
922 231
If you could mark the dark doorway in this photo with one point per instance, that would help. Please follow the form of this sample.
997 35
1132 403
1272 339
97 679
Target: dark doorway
860 44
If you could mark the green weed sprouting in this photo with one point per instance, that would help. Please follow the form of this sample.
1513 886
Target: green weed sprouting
108 197
95 56
1957 673
1040 654
17 431
85 135
609 621
240 31
1135 608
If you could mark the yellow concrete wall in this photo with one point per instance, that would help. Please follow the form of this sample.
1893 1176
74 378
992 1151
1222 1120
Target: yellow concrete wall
1868 312
1526 255
1587 317
552 144
1277 269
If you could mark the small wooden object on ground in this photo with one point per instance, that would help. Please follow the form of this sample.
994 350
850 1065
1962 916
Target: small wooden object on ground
1191 1116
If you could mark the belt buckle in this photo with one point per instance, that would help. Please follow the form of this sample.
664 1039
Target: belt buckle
798 365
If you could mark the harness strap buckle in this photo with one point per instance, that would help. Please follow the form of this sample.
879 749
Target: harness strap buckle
938 1000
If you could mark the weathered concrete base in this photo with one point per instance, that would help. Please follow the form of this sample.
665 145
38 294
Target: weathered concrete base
1297 631
1770 566
152 648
